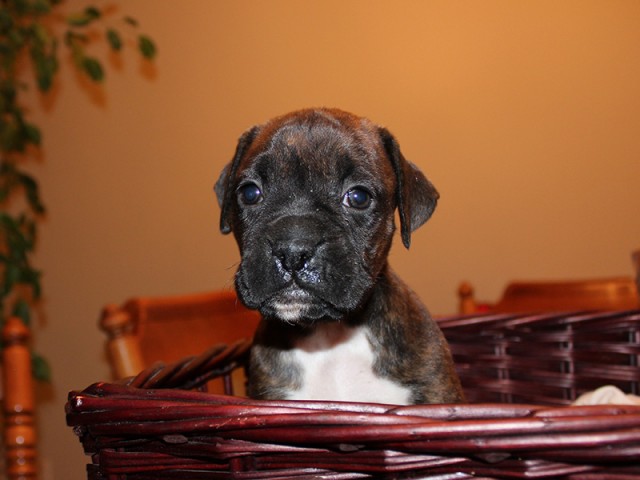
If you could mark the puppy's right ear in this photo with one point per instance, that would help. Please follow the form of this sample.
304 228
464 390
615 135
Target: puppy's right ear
224 185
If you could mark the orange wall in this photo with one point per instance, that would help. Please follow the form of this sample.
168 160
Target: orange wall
525 115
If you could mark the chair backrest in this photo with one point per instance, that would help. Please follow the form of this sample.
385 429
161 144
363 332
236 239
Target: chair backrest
617 293
18 403
635 259
147 330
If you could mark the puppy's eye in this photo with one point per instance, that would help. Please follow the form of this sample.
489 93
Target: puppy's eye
250 194
357 198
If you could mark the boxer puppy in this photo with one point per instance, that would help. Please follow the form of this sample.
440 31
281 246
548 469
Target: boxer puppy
310 198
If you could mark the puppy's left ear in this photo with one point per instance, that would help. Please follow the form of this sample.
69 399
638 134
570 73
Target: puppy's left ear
416 197
224 185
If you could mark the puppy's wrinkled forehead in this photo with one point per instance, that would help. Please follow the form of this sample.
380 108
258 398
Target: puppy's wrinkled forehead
309 144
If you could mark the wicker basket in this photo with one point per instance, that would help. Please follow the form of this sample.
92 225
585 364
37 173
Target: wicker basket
153 428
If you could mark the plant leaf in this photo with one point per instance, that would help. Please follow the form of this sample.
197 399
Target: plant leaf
22 311
72 38
92 12
9 136
93 68
147 47
131 21
41 7
46 67
31 277
21 6
32 133
6 21
11 277
114 40
40 368
85 18
33 196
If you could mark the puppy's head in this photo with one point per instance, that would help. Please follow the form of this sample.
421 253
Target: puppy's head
310 197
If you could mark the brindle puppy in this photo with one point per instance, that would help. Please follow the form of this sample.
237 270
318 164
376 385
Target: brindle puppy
311 199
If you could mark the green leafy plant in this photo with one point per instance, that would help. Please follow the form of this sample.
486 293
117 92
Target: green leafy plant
30 48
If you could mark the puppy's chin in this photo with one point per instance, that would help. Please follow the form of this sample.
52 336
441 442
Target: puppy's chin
298 307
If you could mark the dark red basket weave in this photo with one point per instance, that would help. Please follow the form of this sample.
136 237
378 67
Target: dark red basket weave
153 428
545 358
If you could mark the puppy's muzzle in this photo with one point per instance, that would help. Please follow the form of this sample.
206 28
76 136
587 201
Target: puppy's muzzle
294 248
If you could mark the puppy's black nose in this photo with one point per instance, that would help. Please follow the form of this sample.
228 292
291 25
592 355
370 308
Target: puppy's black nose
293 255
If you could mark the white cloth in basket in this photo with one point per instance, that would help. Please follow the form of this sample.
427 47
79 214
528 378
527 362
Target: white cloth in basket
607 395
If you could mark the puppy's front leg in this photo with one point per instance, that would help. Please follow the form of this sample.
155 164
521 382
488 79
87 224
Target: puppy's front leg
273 371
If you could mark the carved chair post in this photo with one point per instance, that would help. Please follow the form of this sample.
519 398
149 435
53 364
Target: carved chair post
123 347
466 300
18 402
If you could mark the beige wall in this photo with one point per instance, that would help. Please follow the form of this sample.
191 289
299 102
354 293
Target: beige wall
525 115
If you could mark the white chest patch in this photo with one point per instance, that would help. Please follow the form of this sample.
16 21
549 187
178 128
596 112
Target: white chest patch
337 364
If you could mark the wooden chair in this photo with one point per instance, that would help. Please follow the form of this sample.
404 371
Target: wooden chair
619 293
144 331
18 403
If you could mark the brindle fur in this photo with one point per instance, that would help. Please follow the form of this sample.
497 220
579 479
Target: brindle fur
304 162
